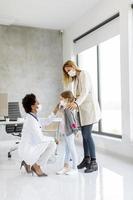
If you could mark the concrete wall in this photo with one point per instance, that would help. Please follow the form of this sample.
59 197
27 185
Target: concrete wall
31 61
103 10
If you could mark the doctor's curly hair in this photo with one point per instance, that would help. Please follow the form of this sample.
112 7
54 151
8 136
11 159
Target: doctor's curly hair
28 101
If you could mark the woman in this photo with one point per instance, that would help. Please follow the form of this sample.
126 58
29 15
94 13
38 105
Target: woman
89 112
35 148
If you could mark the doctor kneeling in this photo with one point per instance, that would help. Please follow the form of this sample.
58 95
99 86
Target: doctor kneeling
35 149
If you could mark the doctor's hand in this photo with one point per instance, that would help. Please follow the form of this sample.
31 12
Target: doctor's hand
57 141
72 106
56 109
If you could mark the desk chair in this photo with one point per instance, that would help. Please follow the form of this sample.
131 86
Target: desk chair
14 129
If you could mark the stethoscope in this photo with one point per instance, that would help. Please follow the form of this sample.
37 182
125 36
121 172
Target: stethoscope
35 118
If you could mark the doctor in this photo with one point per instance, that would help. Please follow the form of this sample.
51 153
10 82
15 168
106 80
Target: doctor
35 148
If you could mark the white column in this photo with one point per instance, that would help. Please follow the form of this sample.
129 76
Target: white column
130 43
125 72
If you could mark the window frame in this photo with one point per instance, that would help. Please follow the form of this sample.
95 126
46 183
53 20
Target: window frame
100 132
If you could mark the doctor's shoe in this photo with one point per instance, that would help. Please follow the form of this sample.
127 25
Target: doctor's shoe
85 162
91 167
37 170
27 167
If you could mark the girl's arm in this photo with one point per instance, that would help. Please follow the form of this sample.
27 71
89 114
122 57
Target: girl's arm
72 120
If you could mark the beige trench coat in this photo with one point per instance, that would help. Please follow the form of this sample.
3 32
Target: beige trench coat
88 104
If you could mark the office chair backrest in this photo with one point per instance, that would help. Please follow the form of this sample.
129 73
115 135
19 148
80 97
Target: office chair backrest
13 110
13 114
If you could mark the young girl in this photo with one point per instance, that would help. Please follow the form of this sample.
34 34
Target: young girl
70 130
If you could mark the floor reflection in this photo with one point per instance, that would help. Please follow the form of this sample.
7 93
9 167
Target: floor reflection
113 181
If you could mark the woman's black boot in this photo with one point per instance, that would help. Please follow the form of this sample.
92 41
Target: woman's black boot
93 166
85 162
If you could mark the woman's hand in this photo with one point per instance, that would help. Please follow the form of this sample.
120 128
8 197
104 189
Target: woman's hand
72 106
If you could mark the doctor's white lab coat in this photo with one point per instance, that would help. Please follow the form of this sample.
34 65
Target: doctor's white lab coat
33 142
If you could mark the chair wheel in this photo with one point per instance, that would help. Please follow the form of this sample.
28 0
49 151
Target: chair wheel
9 155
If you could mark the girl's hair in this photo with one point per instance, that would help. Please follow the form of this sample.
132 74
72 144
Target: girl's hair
68 95
28 101
66 78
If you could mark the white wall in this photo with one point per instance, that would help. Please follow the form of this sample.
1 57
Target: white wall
30 60
99 13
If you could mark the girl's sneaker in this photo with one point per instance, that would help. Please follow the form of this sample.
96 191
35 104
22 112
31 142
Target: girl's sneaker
72 172
62 171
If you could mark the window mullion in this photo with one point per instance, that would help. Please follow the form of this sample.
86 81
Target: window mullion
98 86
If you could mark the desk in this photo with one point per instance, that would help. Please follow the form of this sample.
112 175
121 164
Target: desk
54 126
12 122
54 129
15 123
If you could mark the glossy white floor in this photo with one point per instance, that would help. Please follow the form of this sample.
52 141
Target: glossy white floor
113 181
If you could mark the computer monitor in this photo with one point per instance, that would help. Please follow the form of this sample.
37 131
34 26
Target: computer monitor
3 105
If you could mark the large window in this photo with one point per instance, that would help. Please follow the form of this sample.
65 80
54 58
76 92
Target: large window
110 85
103 63
88 61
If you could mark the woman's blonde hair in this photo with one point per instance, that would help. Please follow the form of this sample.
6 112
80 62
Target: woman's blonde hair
66 78
68 95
